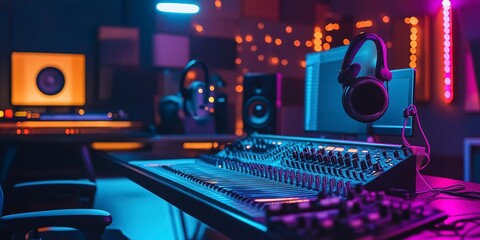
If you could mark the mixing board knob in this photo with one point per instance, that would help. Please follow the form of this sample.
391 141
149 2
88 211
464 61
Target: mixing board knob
326 159
368 157
363 165
384 153
333 159
295 154
330 153
340 160
395 154
369 162
361 175
355 163
322 150
317 182
377 167
381 195
405 150
308 156
348 162
319 158
383 209
356 207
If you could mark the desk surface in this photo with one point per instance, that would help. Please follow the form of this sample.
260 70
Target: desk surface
456 208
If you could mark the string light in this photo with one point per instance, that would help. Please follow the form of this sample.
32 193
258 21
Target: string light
288 29
268 38
198 28
447 52
386 19
278 41
274 60
239 88
317 40
364 24
413 22
238 39
218 4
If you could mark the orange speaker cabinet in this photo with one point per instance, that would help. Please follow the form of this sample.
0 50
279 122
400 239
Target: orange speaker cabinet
48 79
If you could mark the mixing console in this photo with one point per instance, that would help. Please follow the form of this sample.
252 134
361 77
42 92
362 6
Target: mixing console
305 188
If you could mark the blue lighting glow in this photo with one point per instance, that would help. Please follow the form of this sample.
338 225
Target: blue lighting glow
178 8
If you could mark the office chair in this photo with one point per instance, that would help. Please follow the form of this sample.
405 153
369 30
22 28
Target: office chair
50 194
91 222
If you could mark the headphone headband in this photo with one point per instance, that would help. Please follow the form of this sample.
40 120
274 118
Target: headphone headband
355 46
193 63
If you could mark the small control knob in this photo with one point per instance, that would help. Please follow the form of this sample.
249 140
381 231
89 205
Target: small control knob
355 163
363 165
377 167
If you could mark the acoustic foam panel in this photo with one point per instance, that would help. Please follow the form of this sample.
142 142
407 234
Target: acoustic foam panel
217 53
170 50
119 46
265 9
4 58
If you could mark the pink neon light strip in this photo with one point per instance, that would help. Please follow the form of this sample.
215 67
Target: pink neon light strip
447 52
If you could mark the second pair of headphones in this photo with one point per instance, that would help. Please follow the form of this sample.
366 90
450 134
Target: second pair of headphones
365 98
192 101
196 95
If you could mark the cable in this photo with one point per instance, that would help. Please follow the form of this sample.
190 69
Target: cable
411 111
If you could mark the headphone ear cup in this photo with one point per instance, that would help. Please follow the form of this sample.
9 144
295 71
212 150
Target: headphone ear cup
365 99
170 111
193 102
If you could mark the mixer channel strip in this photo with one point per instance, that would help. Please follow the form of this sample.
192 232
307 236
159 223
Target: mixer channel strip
376 166
242 194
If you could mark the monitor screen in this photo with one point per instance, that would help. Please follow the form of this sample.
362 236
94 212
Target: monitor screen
323 95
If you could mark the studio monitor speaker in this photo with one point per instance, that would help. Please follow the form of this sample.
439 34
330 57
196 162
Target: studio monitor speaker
48 79
261 102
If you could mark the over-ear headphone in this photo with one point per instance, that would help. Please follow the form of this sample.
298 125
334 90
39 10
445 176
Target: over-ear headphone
365 98
196 95
193 101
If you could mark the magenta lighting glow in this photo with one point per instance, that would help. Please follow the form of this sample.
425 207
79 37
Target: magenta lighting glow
447 52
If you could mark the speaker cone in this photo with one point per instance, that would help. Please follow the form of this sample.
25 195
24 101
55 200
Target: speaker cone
50 81
258 112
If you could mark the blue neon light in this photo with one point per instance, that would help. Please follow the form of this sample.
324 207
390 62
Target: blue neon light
178 8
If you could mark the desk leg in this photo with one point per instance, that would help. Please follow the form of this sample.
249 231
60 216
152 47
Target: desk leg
87 162
10 153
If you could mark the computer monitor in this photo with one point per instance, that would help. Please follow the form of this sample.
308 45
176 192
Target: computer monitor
324 112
